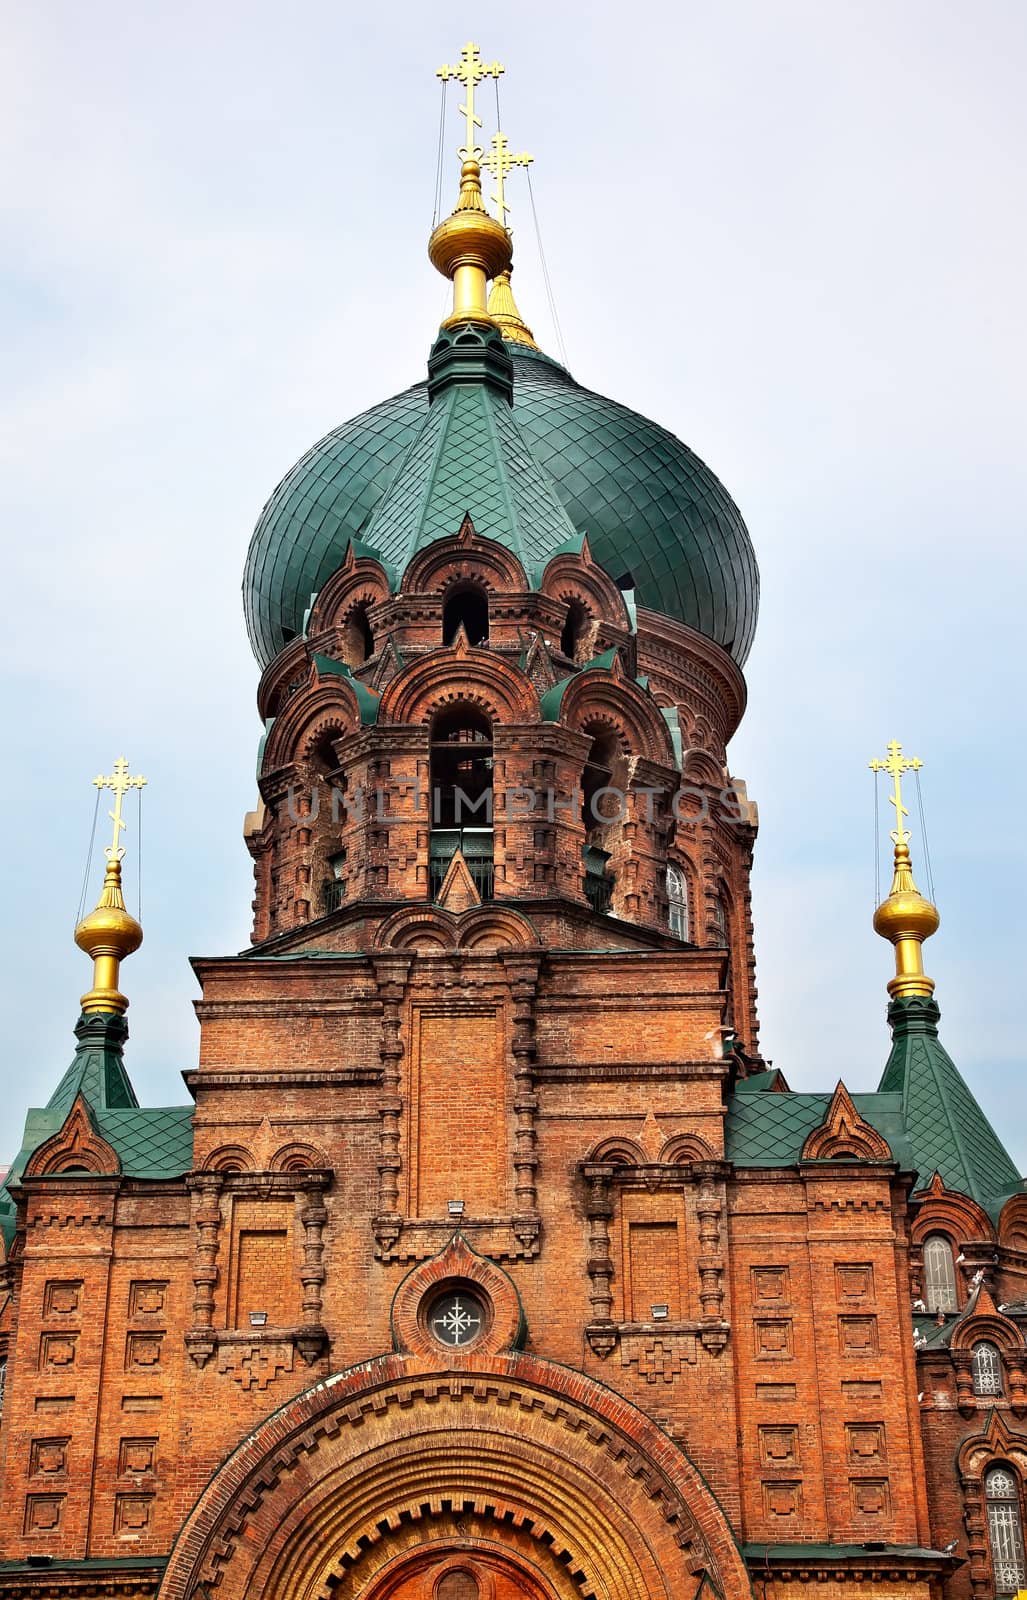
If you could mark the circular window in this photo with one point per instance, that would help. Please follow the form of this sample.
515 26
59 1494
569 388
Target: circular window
456 1318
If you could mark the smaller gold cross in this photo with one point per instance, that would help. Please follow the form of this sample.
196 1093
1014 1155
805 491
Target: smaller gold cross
120 782
896 763
470 71
500 162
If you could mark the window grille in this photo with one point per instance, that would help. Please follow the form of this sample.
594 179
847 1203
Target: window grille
939 1275
677 902
1005 1530
987 1369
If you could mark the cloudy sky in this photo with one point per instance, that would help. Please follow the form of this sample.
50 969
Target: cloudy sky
793 233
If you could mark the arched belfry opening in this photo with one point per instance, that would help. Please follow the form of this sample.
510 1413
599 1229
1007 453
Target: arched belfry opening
603 803
461 796
357 637
466 605
574 636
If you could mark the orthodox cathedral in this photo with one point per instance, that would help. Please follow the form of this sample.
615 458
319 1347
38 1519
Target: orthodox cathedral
489 1259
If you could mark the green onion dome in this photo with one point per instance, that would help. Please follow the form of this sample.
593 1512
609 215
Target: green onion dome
657 518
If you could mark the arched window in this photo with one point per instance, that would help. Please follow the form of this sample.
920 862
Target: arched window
987 1369
939 1274
1005 1530
461 797
469 605
677 902
357 638
721 922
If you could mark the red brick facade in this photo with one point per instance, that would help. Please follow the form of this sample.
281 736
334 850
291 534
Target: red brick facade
511 1082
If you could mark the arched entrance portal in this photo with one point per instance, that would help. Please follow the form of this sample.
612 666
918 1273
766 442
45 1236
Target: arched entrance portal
529 1480
475 1572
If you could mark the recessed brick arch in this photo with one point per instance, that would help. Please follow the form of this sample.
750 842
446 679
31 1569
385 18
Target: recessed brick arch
466 557
455 676
332 707
393 1454
601 697
359 581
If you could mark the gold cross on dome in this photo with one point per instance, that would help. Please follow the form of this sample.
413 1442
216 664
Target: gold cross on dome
500 162
470 71
120 782
896 763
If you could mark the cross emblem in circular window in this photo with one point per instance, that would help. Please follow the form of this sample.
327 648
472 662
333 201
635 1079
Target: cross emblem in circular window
456 1319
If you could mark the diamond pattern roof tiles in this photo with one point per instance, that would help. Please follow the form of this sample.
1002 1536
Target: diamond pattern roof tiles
948 1130
770 1129
650 507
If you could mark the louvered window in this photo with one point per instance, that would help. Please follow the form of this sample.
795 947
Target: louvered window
1005 1530
987 1369
939 1274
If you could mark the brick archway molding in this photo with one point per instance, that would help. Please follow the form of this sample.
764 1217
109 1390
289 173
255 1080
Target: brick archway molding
324 1495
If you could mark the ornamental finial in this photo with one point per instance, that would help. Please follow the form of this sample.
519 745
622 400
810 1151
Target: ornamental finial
469 71
470 246
904 917
110 933
501 162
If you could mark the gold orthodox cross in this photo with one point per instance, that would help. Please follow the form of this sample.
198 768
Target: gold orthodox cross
500 162
470 71
896 763
120 782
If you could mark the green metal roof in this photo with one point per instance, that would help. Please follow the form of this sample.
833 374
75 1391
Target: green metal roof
469 456
769 1130
948 1131
98 1067
796 1554
650 507
553 698
151 1141
368 700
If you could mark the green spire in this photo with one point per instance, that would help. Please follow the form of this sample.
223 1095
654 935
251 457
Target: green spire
97 1070
470 457
948 1131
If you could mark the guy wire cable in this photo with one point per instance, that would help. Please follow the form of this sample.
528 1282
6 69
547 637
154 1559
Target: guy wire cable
89 859
923 835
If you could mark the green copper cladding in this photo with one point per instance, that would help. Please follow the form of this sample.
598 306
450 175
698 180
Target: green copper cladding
948 1131
653 512
151 1142
470 456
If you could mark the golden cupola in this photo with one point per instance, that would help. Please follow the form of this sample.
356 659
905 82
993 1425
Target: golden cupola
905 917
470 247
110 933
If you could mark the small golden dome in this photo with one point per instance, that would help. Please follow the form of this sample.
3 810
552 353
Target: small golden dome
470 246
906 918
108 935
109 932
906 915
504 313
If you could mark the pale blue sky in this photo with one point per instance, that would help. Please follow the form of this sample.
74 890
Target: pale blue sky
792 233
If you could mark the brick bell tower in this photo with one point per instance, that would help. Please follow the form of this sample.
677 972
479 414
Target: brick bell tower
470 1079
490 1260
